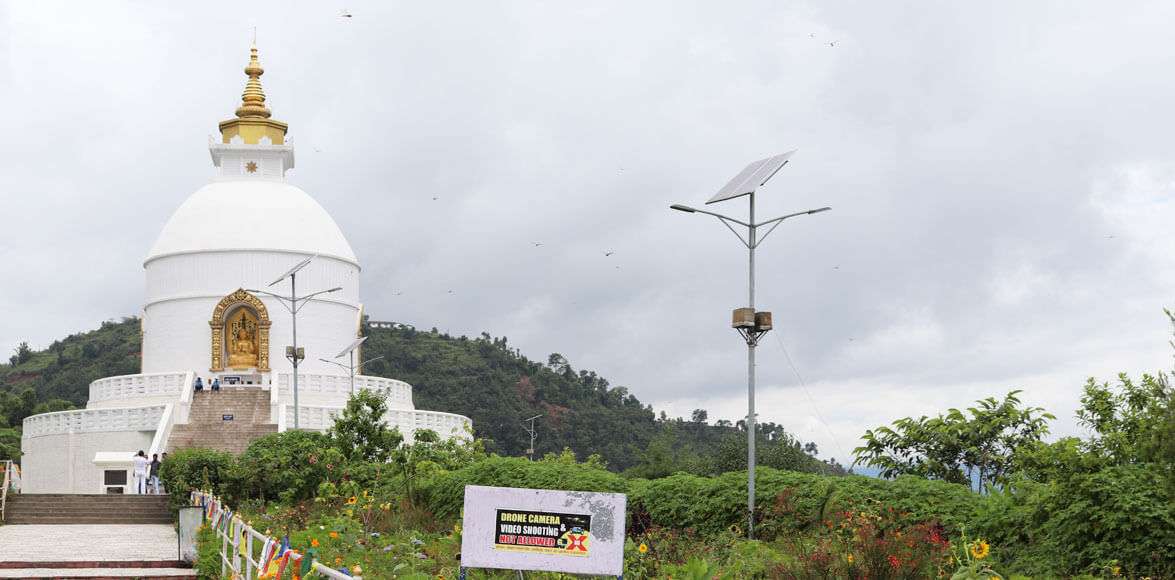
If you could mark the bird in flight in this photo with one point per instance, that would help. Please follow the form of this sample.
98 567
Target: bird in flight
397 292
832 44
436 197
609 253
344 14
536 244
450 291
836 267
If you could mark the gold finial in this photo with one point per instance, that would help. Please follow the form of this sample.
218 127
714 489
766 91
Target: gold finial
252 122
253 99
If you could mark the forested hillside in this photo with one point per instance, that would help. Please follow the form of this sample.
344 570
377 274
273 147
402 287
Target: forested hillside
482 378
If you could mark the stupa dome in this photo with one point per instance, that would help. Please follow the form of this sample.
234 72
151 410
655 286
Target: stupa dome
252 215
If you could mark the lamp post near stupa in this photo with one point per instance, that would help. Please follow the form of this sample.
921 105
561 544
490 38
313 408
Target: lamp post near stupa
750 324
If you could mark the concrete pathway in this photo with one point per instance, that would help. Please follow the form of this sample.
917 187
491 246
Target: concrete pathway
88 543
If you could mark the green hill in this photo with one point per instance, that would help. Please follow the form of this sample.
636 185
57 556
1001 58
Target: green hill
481 378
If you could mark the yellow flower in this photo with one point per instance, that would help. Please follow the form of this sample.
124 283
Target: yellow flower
457 528
643 548
352 500
849 558
1116 570
980 549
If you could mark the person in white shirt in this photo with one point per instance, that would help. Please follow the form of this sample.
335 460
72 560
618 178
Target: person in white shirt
140 472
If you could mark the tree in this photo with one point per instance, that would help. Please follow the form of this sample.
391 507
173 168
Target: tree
979 447
361 433
23 354
699 416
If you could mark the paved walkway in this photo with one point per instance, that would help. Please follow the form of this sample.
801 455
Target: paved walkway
88 542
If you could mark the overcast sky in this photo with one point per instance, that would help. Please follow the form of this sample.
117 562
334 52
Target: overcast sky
1001 176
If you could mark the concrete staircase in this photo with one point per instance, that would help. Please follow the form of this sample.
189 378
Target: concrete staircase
26 508
207 427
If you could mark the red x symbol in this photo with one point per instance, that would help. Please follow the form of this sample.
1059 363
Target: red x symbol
576 541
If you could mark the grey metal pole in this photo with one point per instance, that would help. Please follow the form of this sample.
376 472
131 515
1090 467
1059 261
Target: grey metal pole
352 353
294 314
751 379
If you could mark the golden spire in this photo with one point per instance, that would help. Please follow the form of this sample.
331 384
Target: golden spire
252 122
253 99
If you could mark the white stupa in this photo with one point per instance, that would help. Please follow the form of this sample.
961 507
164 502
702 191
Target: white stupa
203 317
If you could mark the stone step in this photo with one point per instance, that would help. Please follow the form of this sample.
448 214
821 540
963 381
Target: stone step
65 564
87 509
36 510
72 520
99 573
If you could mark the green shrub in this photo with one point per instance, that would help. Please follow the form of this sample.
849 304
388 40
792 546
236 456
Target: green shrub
444 493
1087 523
287 466
788 501
189 469
208 545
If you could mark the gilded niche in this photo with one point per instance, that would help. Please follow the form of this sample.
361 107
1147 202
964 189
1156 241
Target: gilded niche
240 333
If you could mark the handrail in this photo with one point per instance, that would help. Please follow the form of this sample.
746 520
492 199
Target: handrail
231 533
185 398
4 493
163 431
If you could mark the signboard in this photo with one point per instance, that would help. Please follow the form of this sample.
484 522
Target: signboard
577 532
226 417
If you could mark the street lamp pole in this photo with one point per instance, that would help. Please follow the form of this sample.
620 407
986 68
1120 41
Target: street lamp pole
351 368
294 303
350 350
533 435
750 324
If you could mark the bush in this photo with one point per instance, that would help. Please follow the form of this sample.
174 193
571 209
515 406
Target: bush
444 494
208 545
189 469
1087 523
788 501
288 466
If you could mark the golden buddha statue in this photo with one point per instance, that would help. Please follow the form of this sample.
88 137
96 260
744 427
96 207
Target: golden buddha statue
242 348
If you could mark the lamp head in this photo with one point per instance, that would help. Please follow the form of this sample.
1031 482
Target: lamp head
685 208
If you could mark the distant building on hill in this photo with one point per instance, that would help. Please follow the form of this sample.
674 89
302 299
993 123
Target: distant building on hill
202 320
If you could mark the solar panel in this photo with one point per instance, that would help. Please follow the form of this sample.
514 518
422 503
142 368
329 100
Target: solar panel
294 269
751 177
353 346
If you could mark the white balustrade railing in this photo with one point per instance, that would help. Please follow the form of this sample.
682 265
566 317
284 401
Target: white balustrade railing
169 385
95 420
338 388
444 424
